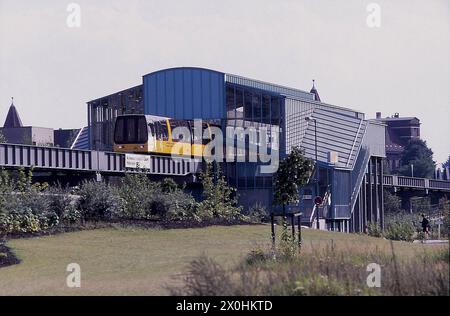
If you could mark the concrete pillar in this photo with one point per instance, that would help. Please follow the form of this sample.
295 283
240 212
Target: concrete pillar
376 199
364 204
369 194
381 195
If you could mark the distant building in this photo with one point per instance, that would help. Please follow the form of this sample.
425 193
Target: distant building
399 132
15 133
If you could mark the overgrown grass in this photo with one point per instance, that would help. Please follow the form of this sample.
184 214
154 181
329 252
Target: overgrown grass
132 261
328 270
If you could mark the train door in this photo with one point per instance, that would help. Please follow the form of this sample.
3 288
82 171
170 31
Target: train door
151 136
180 134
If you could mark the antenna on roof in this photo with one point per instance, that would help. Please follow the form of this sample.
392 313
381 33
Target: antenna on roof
12 100
314 81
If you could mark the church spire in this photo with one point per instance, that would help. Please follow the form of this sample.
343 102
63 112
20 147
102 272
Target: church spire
12 118
314 91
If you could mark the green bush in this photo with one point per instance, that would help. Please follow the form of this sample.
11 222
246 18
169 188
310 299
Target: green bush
258 213
374 230
25 222
138 194
144 199
400 227
219 199
99 201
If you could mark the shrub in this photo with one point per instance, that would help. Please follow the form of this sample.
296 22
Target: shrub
400 227
180 206
374 230
99 201
144 199
139 196
219 199
257 213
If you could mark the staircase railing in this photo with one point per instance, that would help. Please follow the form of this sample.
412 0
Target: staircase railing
357 175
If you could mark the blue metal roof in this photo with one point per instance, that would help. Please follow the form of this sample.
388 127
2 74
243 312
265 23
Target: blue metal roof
187 93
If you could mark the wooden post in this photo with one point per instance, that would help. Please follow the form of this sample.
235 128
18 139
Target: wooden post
273 229
293 227
299 223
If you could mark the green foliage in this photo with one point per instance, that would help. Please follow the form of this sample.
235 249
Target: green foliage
257 256
168 185
219 199
400 227
293 172
417 153
421 205
24 207
99 201
323 272
144 199
257 213
138 194
444 208
392 203
374 230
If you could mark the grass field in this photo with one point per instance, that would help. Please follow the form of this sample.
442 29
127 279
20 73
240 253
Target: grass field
142 262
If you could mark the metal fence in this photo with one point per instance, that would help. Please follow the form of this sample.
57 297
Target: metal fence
53 158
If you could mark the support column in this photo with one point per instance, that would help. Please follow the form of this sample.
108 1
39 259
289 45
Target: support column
381 195
376 199
369 194
364 203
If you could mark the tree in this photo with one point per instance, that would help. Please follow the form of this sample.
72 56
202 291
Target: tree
392 203
294 171
219 199
417 153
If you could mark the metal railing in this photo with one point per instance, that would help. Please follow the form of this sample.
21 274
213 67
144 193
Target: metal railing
54 158
418 183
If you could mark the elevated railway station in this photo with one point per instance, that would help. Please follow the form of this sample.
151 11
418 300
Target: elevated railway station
348 148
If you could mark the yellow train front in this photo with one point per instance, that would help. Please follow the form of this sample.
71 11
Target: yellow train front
136 133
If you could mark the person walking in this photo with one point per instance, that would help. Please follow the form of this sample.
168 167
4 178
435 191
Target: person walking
425 226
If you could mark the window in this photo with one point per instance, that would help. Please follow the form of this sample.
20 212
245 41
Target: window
161 130
275 111
256 105
239 103
248 106
266 109
230 102
131 130
179 123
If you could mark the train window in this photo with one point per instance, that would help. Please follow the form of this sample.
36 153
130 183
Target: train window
130 129
179 123
151 129
141 130
161 130
119 130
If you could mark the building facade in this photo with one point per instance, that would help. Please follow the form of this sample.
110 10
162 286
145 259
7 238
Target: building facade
350 148
399 132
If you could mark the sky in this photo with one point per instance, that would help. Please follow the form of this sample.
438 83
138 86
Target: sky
402 66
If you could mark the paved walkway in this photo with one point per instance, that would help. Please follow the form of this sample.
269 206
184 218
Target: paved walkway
431 241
